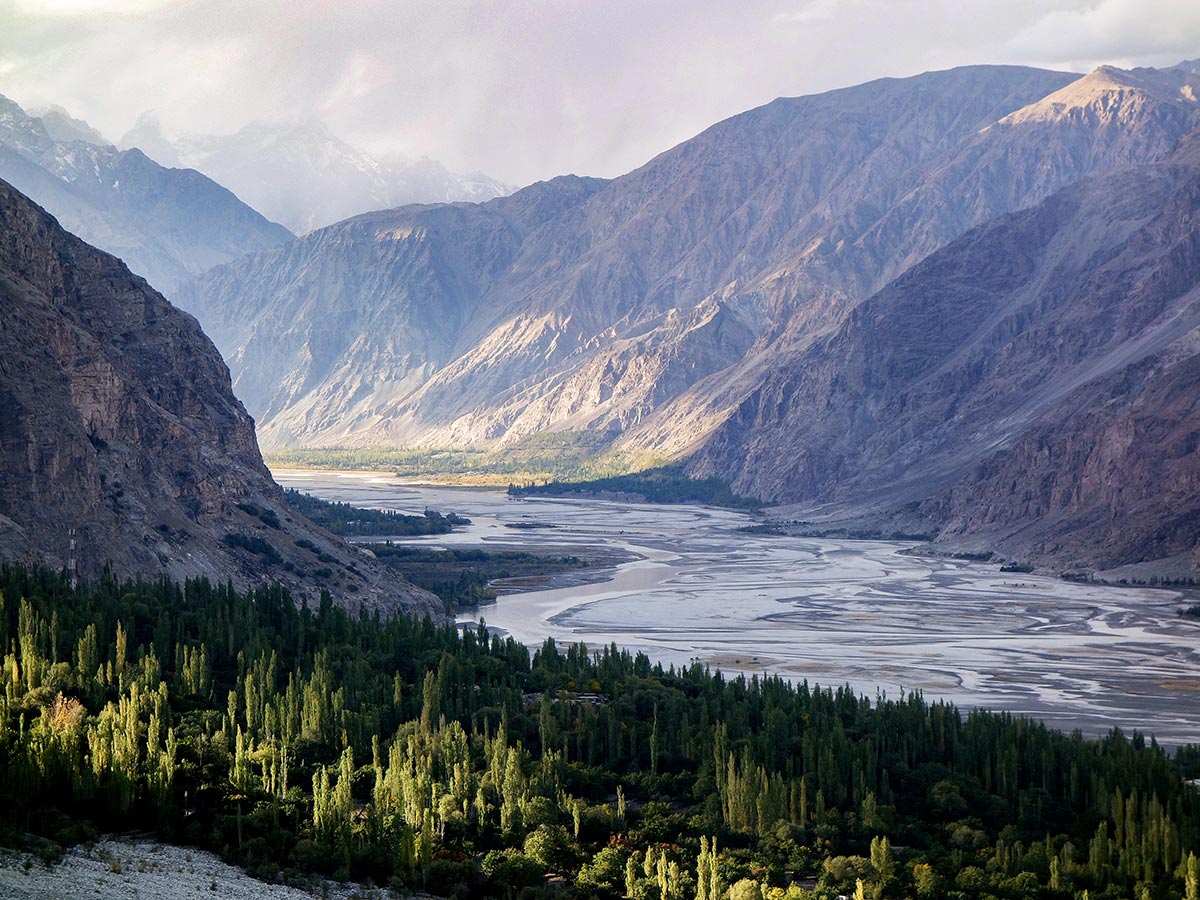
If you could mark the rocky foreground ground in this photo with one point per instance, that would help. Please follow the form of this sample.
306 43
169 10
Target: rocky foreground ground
145 870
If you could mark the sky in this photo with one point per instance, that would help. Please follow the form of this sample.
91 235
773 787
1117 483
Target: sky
525 90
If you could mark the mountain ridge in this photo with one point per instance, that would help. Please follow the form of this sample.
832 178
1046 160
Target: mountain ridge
167 224
299 173
589 277
713 306
118 429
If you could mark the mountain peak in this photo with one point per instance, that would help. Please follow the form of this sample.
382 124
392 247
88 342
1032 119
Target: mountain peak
1110 93
62 126
298 172
140 441
165 224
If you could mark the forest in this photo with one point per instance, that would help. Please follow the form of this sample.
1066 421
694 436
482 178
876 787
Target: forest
359 521
663 484
467 576
300 739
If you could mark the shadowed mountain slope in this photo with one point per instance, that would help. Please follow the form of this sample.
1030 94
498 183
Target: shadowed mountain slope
117 420
166 224
608 301
1032 378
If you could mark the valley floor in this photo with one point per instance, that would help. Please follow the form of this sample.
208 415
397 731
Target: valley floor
1084 656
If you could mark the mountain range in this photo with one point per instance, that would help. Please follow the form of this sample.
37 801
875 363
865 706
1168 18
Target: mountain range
765 302
119 433
300 174
166 224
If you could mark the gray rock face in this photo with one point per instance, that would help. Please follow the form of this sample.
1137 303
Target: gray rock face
595 309
1035 380
1110 480
858 298
975 343
166 224
303 176
117 420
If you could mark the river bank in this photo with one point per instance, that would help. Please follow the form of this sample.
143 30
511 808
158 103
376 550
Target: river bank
834 612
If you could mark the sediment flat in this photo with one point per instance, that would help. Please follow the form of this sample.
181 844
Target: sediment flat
834 612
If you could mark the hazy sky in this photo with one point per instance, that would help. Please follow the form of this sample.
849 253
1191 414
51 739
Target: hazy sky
526 90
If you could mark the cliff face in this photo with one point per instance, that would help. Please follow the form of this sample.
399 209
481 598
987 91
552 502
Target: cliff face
598 302
974 344
1111 481
166 224
117 420
1030 386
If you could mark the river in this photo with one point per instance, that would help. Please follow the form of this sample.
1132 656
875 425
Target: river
1078 656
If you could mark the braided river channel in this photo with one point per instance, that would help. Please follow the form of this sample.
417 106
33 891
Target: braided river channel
682 583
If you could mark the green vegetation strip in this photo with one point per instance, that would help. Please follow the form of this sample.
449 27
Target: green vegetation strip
462 577
568 455
665 484
411 754
357 521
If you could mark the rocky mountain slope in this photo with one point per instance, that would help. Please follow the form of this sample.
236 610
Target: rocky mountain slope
117 420
1031 385
300 174
166 224
600 308
1101 122
854 300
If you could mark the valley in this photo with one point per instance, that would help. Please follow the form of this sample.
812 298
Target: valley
801 504
862 613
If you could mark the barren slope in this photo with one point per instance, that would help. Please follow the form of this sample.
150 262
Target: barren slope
117 420
608 305
166 224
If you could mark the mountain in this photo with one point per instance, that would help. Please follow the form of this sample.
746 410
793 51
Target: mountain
64 128
167 224
600 308
1101 122
765 300
1034 378
117 420
300 174
325 329
1107 473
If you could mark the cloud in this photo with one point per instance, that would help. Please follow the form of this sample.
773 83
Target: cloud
69 8
528 89
1119 32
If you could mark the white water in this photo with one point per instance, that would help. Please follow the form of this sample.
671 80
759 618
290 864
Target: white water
833 612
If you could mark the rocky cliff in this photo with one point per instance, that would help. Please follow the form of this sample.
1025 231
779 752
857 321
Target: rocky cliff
1028 386
598 304
1109 482
166 224
117 420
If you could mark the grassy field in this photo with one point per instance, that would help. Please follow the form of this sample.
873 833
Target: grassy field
535 459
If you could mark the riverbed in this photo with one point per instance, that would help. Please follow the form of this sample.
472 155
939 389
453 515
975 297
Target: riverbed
834 612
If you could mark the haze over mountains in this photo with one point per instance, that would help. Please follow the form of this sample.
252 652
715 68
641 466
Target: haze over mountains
166 224
715 305
300 174
117 421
